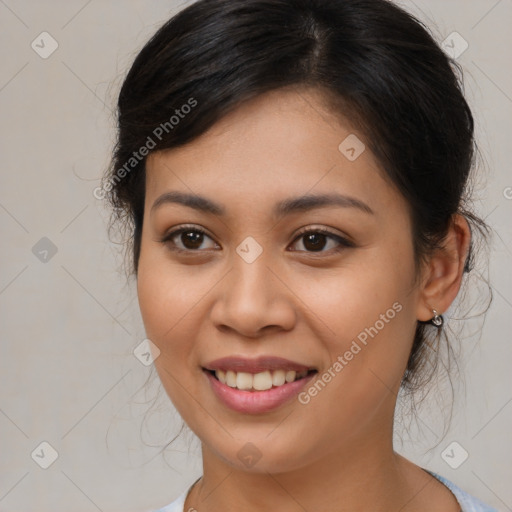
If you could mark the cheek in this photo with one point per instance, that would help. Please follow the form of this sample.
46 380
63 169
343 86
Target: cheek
367 316
351 298
367 356
168 301
166 298
166 290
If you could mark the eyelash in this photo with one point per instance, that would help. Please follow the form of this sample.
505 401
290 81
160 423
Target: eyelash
343 242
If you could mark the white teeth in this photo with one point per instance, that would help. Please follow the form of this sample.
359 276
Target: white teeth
258 381
278 377
230 379
262 381
243 380
290 375
221 375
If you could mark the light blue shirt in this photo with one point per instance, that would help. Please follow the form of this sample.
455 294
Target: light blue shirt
467 502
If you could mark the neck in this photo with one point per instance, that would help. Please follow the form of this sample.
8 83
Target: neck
362 477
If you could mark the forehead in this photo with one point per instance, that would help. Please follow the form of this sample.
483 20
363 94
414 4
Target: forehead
280 144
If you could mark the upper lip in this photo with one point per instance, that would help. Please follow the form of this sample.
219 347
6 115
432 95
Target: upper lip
255 365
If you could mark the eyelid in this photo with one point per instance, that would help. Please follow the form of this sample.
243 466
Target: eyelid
323 230
343 241
183 227
177 230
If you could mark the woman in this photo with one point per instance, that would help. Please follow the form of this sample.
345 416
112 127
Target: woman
295 176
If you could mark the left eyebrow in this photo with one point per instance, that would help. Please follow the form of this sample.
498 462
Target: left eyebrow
310 202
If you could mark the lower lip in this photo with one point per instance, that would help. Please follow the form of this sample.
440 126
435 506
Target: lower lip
255 402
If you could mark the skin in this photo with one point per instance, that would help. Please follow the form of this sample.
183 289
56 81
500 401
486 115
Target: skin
335 452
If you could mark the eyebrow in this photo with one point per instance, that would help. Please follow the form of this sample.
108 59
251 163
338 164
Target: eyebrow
286 207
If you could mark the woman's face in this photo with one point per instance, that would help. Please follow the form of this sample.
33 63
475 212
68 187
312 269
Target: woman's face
254 286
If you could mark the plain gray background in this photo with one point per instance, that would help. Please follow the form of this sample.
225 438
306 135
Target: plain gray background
70 320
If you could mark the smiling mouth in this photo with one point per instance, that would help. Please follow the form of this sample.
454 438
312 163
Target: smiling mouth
261 381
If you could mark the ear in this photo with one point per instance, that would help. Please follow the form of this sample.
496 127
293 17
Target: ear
443 273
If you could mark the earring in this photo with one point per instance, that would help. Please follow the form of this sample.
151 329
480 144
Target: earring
437 320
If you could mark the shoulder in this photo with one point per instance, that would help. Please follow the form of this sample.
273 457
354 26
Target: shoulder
467 502
177 505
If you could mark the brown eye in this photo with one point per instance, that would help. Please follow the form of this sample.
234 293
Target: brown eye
188 239
316 240
191 239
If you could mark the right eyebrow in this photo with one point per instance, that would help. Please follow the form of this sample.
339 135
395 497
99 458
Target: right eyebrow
195 201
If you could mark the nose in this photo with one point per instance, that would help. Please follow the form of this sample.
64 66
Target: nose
252 300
